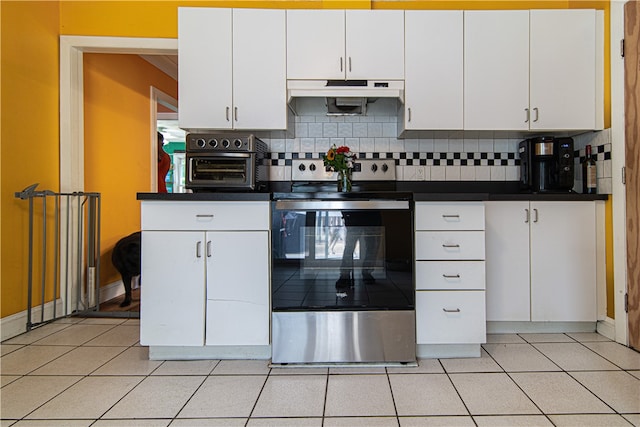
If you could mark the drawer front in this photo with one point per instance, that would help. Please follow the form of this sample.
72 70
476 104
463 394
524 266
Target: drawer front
450 216
161 215
450 317
449 245
450 275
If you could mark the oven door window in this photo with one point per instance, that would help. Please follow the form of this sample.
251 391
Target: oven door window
342 260
219 169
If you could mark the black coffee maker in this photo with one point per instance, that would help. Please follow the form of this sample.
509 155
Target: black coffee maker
546 164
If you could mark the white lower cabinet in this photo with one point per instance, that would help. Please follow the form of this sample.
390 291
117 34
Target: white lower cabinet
541 261
208 286
450 273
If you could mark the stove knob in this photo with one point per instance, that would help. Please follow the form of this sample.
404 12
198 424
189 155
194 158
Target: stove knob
374 168
385 167
200 142
213 143
312 167
225 143
301 168
237 143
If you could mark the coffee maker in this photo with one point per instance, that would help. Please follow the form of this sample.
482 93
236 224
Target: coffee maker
546 164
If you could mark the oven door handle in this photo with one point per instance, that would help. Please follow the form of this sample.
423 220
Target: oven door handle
341 205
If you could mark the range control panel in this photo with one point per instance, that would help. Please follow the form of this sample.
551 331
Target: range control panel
364 170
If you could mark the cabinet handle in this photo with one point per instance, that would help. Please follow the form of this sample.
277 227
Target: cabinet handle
209 249
526 120
204 215
349 64
451 276
199 249
527 216
448 310
227 113
535 217
409 112
235 114
445 245
450 216
341 64
537 115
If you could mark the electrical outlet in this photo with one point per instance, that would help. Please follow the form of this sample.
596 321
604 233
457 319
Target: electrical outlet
420 173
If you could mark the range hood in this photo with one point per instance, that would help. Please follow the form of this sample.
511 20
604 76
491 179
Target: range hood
345 92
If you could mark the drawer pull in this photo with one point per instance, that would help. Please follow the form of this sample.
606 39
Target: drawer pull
450 216
445 245
451 276
448 310
204 215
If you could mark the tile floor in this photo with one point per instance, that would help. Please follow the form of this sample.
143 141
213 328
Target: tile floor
93 372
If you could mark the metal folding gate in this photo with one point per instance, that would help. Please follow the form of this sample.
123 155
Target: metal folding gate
65 280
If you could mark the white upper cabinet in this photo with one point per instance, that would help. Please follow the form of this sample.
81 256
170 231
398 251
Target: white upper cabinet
496 69
563 69
232 68
433 70
532 70
339 44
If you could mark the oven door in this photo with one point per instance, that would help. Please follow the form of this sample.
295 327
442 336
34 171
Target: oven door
221 170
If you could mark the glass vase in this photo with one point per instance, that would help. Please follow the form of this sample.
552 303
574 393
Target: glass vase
344 180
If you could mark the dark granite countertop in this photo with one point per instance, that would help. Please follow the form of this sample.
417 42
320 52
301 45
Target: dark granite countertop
401 190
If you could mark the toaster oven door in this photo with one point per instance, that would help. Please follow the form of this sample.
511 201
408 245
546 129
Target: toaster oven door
221 170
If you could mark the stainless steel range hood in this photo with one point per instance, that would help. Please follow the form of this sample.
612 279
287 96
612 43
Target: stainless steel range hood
345 96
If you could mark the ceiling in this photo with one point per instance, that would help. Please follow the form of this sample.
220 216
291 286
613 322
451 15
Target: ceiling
165 63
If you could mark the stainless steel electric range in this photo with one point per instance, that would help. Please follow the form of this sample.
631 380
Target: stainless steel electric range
342 268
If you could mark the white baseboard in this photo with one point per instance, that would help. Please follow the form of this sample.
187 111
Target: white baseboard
16 324
607 328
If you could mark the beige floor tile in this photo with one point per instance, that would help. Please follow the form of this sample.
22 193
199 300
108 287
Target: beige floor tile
292 396
89 398
310 370
132 361
436 421
616 353
589 420
80 361
131 423
103 321
484 363
357 370
27 393
575 357
209 422
29 358
76 334
358 395
425 394
9 348
361 422
558 393
618 389
425 366
224 396
535 338
504 339
120 336
54 423
635 373
285 422
634 419
242 367
156 397
587 336
492 394
186 367
512 421
519 357
37 333
8 379
130 322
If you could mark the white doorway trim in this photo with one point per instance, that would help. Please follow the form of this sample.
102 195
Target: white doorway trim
157 97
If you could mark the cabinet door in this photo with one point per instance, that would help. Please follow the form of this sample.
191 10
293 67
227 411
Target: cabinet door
204 68
563 261
172 302
237 288
563 69
433 69
507 261
450 317
496 69
315 44
375 44
259 69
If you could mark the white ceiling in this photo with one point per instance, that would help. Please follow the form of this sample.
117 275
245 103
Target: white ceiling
165 63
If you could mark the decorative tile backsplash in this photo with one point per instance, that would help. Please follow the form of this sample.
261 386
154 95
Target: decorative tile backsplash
426 156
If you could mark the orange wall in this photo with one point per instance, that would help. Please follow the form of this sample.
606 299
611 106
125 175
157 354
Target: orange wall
117 141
